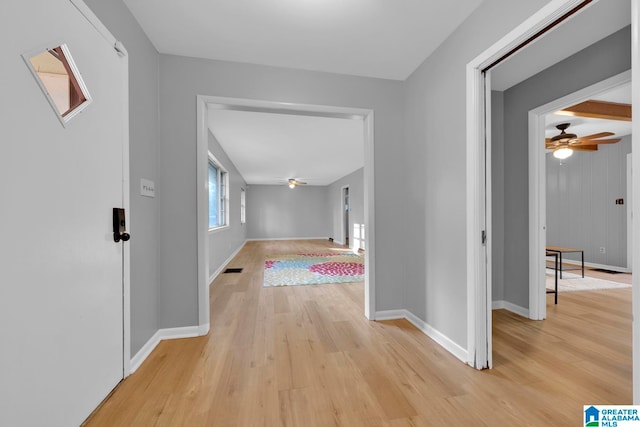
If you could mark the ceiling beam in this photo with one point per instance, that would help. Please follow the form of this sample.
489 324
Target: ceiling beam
599 110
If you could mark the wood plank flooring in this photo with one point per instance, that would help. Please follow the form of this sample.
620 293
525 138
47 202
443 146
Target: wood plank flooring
306 356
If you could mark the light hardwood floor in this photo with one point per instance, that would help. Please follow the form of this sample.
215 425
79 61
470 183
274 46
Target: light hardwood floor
306 356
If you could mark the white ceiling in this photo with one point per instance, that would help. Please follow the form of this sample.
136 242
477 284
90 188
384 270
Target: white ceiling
374 38
269 148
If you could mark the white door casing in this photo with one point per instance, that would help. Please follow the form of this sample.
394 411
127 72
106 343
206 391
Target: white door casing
478 320
537 187
629 203
475 116
346 207
488 242
64 281
635 146
204 102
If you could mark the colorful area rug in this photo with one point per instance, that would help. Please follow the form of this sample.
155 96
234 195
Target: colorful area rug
575 282
313 269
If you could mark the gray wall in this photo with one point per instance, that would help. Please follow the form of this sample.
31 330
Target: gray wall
224 242
434 195
597 62
143 151
581 209
420 176
181 79
355 181
497 195
278 212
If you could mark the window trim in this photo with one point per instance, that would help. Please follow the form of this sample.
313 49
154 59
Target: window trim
223 196
243 205
75 80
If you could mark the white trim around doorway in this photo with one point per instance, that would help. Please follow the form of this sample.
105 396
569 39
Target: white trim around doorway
635 160
537 187
478 293
343 225
203 104
477 324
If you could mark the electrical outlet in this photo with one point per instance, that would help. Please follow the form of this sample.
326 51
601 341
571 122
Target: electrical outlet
602 250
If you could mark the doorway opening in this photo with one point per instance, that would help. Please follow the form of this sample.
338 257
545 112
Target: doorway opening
345 215
479 193
538 185
204 104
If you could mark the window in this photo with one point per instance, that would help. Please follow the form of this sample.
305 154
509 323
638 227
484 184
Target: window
59 79
243 213
218 198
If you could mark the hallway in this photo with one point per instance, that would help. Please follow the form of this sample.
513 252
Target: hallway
306 356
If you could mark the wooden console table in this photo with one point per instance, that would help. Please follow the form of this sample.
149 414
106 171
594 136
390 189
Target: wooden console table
563 250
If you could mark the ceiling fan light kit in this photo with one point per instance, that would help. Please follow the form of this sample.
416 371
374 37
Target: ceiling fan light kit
564 144
293 183
562 153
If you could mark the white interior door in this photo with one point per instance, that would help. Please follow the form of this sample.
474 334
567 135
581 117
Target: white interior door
61 273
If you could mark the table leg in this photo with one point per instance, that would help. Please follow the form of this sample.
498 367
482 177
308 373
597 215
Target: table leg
556 293
582 264
560 255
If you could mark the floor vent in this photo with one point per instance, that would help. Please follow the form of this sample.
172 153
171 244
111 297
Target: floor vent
604 270
233 270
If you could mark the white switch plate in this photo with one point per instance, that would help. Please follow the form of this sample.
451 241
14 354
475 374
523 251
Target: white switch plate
147 188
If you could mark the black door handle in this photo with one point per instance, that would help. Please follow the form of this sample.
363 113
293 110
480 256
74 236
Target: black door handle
119 226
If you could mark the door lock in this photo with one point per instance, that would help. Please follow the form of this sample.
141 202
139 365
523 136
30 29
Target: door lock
119 226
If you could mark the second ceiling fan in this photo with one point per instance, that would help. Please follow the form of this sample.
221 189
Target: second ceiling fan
565 143
293 183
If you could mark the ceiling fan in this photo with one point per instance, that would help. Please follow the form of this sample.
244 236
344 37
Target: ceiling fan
565 143
293 183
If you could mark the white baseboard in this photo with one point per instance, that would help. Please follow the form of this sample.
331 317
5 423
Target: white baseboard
521 311
595 265
224 264
203 329
390 315
288 238
440 338
165 334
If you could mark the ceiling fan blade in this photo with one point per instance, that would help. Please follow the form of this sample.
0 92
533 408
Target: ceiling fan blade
547 140
598 141
597 135
585 147
599 110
